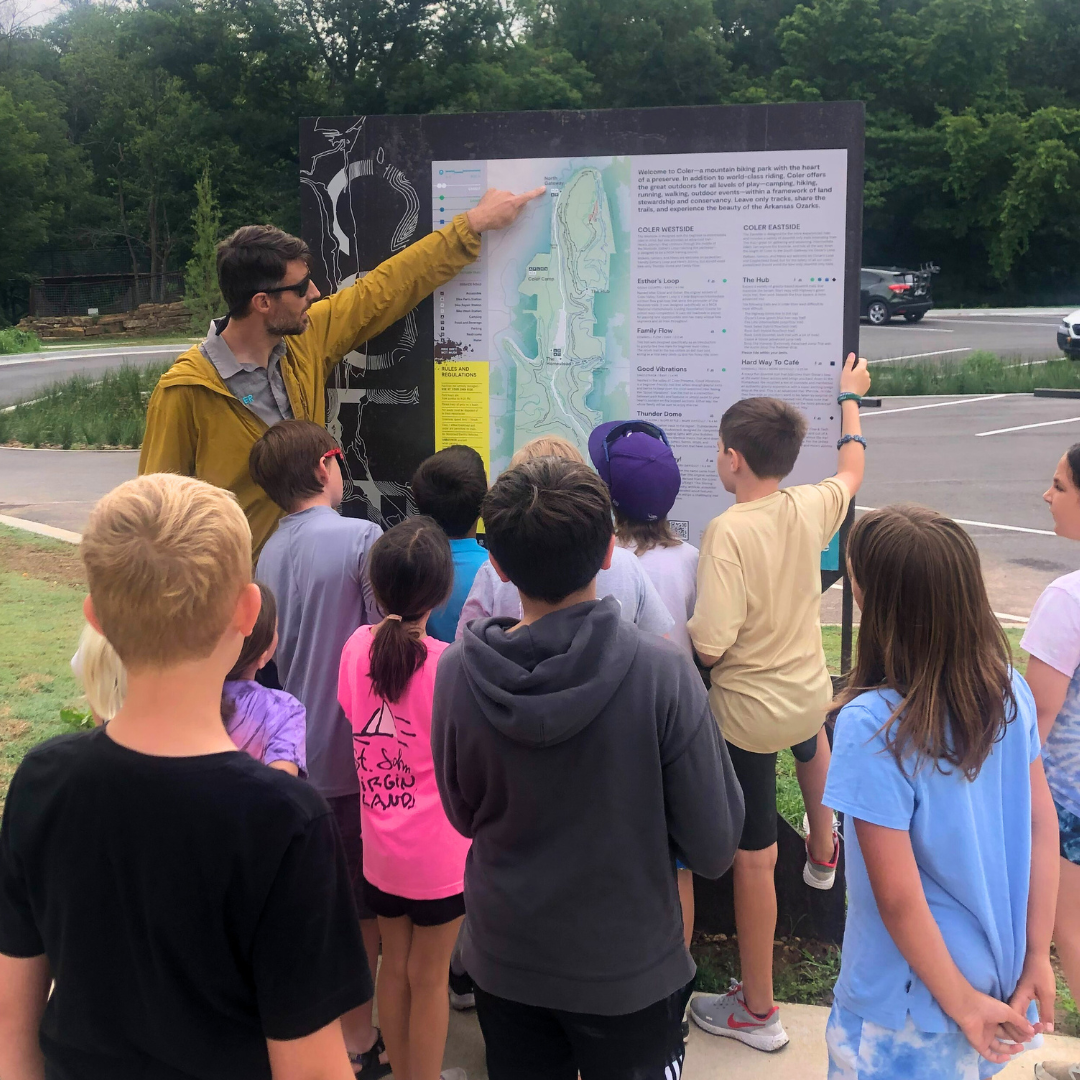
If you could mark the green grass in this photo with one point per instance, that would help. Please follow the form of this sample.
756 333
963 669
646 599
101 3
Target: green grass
106 410
13 340
40 621
980 373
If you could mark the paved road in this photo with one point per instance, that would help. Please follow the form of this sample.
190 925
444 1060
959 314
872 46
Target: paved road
23 374
949 338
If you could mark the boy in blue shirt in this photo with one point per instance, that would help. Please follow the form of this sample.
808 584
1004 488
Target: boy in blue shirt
450 486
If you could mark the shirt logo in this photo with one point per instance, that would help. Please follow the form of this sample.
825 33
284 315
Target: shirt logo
247 399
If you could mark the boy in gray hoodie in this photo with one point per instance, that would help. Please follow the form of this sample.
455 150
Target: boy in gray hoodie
579 755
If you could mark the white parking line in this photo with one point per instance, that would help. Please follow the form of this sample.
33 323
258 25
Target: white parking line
1027 427
866 414
983 524
923 329
916 356
1005 322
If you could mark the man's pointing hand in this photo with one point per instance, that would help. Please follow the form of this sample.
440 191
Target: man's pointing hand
498 209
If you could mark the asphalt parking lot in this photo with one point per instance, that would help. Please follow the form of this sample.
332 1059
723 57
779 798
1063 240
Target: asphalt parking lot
948 338
985 461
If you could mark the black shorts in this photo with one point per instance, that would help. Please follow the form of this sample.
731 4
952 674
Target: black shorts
757 776
347 813
420 912
527 1042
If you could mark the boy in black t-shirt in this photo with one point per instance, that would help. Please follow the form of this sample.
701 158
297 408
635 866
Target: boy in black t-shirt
192 905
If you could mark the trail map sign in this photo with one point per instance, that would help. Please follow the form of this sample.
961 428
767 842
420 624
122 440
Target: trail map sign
680 259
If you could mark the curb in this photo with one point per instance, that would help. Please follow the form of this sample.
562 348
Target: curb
39 529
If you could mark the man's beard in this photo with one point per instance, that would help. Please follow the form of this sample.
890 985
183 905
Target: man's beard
287 329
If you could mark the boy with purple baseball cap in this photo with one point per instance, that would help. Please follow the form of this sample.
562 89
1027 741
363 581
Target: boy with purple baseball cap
635 461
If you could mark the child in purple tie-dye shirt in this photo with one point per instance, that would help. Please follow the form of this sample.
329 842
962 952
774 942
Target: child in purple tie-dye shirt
270 725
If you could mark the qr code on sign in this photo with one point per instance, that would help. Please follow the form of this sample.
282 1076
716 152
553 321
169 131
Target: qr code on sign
681 529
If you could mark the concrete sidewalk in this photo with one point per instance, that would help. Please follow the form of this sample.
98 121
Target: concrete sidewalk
711 1058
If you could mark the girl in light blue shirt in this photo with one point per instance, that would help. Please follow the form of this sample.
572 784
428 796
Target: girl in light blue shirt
952 858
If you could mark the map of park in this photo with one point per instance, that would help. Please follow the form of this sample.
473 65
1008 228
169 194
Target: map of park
553 385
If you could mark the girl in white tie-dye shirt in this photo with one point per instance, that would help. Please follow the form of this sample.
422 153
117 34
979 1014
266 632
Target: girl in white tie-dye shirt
1053 640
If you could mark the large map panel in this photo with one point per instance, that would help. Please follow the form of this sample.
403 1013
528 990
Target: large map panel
548 321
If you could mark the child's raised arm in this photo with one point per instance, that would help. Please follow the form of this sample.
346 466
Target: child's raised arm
1037 978
851 459
894 878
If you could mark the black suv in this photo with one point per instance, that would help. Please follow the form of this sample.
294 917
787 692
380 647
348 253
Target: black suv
889 290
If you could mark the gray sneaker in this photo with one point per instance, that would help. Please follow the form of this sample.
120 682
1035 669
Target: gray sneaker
821 875
1057 1070
727 1015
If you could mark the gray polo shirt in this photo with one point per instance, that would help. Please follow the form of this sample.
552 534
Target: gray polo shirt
261 389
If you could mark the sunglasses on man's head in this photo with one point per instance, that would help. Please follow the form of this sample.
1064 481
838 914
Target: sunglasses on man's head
300 288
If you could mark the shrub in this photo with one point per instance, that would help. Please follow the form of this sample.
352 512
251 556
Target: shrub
14 340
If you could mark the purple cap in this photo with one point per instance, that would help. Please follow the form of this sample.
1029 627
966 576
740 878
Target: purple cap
634 460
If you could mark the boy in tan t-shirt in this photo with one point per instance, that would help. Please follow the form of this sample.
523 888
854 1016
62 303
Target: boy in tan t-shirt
756 625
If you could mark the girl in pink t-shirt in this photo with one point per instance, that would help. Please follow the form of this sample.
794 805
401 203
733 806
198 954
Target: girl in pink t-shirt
414 860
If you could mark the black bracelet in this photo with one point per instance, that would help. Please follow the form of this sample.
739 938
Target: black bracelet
850 438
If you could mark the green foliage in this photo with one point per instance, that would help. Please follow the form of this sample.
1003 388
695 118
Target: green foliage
78 719
201 292
80 412
114 115
13 340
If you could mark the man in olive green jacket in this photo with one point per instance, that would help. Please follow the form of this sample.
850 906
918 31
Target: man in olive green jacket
270 357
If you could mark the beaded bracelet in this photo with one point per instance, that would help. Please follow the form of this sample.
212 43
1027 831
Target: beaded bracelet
850 438
848 396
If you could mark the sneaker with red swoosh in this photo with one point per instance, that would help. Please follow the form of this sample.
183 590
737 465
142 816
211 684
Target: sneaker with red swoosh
727 1015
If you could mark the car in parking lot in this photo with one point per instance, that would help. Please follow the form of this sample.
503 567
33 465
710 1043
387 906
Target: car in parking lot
1069 334
886 291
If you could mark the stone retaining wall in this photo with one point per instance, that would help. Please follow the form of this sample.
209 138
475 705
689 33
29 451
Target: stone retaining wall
145 319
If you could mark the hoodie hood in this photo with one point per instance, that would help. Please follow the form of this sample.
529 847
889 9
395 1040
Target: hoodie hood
545 682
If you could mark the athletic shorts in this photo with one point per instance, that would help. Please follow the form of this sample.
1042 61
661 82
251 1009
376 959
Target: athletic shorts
421 912
1069 829
862 1050
347 814
757 775
529 1042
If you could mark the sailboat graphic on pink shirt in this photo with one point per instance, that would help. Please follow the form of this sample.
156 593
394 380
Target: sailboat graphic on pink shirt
381 722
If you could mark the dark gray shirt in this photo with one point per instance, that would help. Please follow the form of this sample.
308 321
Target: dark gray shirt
580 756
261 389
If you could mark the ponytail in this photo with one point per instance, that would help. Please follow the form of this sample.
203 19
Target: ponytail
411 572
396 654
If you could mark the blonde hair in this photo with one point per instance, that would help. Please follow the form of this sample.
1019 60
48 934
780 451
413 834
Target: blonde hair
166 557
99 669
546 446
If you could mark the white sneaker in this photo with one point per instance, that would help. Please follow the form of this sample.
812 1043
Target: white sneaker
727 1015
1057 1070
821 875
453 1074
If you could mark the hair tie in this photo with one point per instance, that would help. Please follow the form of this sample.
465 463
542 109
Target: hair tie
396 618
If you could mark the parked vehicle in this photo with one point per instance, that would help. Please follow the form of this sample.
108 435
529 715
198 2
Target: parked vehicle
891 290
1069 335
